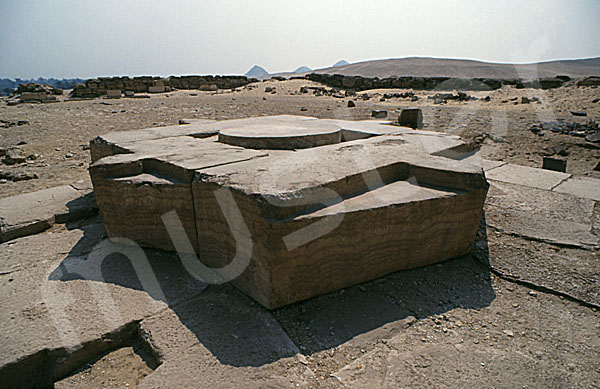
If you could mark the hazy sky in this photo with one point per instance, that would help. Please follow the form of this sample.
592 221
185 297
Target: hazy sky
81 38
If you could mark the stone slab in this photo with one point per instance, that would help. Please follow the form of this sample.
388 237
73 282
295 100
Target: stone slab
541 228
540 202
585 187
34 212
489 164
61 303
527 176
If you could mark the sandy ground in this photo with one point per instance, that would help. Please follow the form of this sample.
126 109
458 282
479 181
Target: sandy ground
60 132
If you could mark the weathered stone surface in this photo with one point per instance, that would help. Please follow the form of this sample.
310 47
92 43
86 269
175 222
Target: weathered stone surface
581 187
489 164
63 310
527 176
292 200
33 96
534 214
34 212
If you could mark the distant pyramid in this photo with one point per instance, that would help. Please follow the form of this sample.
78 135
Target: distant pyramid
256 71
302 69
341 62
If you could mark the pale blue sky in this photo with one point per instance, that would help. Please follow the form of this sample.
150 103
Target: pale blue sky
86 38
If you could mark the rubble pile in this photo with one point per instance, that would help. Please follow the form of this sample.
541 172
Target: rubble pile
34 87
590 130
34 92
439 98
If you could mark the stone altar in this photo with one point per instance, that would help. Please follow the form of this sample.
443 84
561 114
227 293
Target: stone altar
291 207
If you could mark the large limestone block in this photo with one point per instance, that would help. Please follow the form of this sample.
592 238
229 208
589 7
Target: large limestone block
287 208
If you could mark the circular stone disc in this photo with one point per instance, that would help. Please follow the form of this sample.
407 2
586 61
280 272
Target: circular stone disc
282 136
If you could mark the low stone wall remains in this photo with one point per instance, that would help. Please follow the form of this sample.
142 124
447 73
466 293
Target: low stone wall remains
432 83
147 84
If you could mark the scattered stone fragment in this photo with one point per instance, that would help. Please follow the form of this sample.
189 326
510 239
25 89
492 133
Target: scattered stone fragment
578 113
8 123
458 96
18 176
411 117
303 109
14 155
184 121
557 165
351 104
594 138
560 150
379 114
571 128
535 129
589 81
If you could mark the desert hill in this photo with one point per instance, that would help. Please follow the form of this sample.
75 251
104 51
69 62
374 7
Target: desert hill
462 68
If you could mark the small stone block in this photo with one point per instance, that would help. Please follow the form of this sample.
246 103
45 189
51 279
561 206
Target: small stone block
113 93
411 117
555 164
156 89
379 114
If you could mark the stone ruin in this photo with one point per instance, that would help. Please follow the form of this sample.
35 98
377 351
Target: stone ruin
289 207
34 92
438 83
101 86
